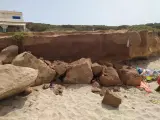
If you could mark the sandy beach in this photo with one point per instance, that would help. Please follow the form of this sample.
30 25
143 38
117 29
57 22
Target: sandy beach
79 103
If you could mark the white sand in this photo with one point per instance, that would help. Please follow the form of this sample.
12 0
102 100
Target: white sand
79 103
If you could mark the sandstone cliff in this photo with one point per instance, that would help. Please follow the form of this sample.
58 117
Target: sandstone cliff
95 45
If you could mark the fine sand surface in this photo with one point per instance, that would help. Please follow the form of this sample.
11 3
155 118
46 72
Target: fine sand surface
79 103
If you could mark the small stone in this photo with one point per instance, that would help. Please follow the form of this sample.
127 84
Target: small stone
125 96
111 99
58 89
95 84
116 89
26 92
46 86
96 90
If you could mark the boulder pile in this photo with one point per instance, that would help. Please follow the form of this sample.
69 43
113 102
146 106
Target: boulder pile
19 72
45 75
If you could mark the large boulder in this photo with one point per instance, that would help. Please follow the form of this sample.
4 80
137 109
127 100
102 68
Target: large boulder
45 75
15 79
109 77
97 69
111 99
79 72
8 54
129 76
60 67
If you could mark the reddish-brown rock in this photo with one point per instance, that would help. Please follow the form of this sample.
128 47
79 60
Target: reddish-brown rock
97 69
129 76
73 46
110 77
79 72
60 67
111 99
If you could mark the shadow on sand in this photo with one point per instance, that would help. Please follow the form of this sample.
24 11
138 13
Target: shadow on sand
142 62
10 104
108 107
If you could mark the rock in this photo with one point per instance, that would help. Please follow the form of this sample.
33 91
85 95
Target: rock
96 90
48 62
110 77
15 79
111 99
27 91
106 63
46 86
58 89
129 76
95 84
8 54
103 91
97 69
117 66
116 89
79 72
45 75
60 67
125 96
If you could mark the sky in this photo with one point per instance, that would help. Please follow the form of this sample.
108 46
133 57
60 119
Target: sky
86 12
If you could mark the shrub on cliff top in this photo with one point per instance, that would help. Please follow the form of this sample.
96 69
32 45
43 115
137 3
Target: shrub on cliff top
18 36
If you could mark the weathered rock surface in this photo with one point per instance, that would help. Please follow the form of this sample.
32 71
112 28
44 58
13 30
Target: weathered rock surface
111 45
15 79
60 67
110 77
111 99
95 45
8 54
129 76
45 75
79 72
97 69
27 91
48 63
106 63
96 90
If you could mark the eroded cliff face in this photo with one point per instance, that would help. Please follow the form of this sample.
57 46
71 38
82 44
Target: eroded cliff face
148 45
95 45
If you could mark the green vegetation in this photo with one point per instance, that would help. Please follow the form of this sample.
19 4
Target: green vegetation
18 38
39 27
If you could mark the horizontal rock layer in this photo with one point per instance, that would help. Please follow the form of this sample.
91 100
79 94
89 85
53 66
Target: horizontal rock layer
97 46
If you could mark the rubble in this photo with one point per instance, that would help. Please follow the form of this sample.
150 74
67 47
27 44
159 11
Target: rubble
111 99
